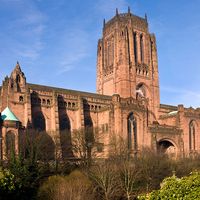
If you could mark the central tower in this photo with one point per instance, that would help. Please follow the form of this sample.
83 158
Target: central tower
127 60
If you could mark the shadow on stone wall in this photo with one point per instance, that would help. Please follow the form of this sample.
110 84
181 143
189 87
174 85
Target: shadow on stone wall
65 129
89 133
37 145
38 119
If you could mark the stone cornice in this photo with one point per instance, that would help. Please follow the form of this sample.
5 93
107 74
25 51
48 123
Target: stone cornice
192 115
170 107
165 129
67 91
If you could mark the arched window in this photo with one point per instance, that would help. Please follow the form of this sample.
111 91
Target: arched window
18 82
135 46
151 50
39 101
192 136
141 49
21 99
18 78
11 83
132 132
48 102
110 51
10 144
128 45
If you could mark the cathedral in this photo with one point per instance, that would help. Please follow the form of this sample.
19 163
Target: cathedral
126 103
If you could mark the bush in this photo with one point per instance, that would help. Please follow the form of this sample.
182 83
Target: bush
174 188
26 177
153 169
18 181
7 182
76 186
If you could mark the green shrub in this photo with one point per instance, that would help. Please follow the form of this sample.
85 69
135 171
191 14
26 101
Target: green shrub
7 182
173 188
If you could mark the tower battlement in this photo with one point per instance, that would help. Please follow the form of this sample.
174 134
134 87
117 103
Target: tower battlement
125 18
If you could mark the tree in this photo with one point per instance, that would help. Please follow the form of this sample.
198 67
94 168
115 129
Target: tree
105 180
26 176
154 168
129 174
84 144
118 148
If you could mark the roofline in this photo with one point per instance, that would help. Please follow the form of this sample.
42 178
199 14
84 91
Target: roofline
121 15
169 107
77 92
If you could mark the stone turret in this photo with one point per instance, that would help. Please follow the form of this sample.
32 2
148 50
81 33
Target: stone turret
14 93
10 133
17 79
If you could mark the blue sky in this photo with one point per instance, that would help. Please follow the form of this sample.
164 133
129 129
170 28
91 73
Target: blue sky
55 42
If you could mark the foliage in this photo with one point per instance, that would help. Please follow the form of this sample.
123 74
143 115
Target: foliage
20 178
177 188
7 182
26 176
120 176
76 186
17 182
50 190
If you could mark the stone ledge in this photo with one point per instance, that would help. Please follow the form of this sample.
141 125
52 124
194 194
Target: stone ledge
165 129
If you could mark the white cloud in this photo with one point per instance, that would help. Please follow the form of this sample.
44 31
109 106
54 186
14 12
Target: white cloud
182 96
75 47
25 29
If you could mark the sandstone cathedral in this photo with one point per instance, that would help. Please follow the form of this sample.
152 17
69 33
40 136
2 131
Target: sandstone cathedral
127 102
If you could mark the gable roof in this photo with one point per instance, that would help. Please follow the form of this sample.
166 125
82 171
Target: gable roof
8 115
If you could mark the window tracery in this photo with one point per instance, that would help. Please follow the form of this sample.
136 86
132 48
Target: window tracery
132 132
192 136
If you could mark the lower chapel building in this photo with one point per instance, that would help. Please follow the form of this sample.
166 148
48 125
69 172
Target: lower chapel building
127 102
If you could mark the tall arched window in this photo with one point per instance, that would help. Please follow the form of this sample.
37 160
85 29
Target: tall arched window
141 49
18 78
110 49
192 136
135 46
132 132
10 143
128 45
